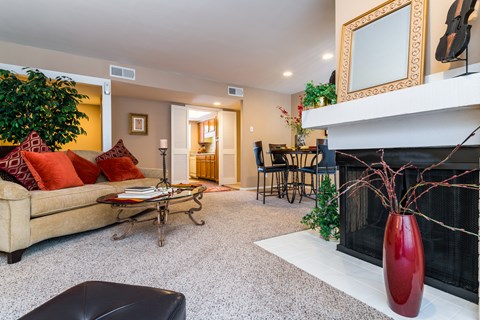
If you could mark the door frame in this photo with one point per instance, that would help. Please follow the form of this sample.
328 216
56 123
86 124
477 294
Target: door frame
217 111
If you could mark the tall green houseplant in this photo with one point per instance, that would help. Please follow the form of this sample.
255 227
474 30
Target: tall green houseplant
48 106
325 217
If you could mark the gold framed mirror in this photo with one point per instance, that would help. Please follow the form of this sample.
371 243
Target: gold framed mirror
383 50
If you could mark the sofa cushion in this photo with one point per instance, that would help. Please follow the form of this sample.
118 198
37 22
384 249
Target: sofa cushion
117 151
86 170
51 170
14 164
119 169
49 202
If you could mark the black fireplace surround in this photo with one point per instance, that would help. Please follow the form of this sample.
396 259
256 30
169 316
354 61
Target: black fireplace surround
451 258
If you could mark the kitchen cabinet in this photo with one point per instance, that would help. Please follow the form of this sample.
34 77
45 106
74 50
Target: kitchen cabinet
211 125
206 167
205 129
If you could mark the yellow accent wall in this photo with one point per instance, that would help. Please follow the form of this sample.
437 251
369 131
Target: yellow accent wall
93 139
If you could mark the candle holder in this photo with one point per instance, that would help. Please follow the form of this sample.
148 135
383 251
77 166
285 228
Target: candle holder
163 183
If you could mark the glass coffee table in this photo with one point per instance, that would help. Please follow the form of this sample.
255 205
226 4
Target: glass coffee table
159 204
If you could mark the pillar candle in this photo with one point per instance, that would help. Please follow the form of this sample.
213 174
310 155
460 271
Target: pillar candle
163 143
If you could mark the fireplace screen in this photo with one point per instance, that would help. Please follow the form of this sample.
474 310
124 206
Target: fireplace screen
451 258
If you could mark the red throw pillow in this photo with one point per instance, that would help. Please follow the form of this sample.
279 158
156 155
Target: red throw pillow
117 151
119 169
13 162
86 170
51 170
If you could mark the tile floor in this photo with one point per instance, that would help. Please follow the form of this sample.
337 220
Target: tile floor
360 279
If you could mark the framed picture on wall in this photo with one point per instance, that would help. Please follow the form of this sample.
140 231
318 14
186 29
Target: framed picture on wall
138 123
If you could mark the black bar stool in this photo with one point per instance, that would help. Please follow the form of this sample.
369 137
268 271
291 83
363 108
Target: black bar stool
261 168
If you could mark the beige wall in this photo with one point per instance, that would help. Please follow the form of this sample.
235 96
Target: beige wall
346 10
260 111
58 61
143 147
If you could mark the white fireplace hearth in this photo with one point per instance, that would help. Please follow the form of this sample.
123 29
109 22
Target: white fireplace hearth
436 114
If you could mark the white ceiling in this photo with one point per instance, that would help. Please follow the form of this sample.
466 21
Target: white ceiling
239 42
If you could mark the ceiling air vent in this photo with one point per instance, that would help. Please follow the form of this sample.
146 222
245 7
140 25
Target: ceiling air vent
234 91
122 72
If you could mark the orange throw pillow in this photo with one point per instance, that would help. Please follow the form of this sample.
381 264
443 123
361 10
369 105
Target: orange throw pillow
119 169
51 170
86 170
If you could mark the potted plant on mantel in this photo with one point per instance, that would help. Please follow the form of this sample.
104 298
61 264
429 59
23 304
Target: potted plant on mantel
403 258
48 106
319 95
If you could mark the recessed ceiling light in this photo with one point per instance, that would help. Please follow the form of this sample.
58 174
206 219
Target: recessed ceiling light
287 74
327 56
217 103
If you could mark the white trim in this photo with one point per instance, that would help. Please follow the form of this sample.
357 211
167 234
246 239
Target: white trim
106 96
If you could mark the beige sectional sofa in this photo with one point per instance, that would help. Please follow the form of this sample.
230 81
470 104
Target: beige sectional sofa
28 217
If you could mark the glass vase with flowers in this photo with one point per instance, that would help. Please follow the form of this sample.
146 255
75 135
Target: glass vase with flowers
295 123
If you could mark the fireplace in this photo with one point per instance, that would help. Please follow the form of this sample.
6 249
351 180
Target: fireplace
451 258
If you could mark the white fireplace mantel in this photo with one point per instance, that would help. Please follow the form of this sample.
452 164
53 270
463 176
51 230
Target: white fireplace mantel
439 113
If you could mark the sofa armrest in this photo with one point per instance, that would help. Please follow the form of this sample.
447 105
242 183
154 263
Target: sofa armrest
14 217
12 191
152 172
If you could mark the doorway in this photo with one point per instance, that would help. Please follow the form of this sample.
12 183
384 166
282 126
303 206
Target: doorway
203 151
204 145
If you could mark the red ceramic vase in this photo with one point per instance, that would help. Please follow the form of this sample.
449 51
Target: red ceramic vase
403 264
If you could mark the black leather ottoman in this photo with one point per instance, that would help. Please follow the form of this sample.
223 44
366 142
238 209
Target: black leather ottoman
111 301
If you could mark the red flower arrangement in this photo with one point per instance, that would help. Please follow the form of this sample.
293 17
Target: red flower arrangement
294 122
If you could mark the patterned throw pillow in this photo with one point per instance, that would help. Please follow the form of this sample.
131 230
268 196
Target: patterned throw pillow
14 164
118 150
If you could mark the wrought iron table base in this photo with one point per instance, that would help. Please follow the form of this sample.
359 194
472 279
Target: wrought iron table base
161 218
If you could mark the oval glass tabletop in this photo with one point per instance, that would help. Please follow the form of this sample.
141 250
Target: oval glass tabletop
178 193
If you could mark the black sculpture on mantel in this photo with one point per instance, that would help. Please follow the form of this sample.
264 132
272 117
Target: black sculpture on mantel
457 36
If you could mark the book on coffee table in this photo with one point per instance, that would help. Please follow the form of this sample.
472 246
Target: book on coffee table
142 195
139 189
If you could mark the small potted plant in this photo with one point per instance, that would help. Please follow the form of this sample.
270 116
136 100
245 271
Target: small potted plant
319 95
325 216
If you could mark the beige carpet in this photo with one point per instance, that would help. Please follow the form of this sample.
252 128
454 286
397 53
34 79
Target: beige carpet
222 273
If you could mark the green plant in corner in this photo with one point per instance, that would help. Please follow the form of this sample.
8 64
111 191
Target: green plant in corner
325 217
316 94
48 106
